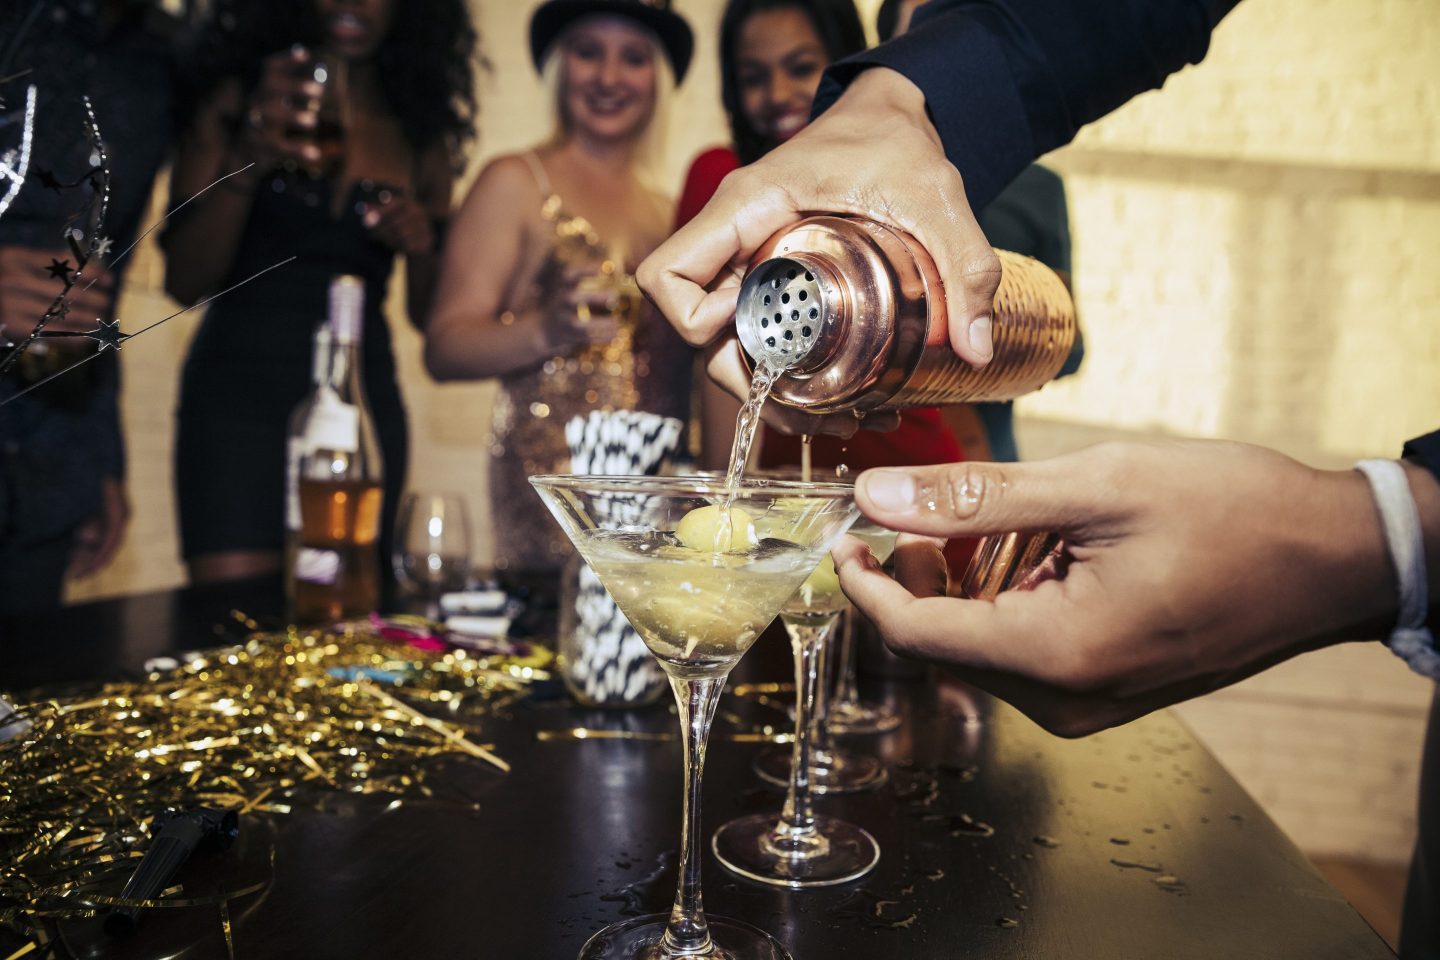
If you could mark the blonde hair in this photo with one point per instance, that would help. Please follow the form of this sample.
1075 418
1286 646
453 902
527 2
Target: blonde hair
651 143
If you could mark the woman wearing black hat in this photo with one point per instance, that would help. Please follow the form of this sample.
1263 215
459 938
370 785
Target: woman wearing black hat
535 287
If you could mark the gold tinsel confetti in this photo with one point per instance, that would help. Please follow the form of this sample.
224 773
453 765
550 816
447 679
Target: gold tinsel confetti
262 726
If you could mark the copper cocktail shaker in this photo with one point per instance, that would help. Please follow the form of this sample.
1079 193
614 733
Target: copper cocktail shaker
853 313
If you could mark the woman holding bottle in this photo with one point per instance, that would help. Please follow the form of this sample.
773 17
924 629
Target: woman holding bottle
772 55
336 125
535 286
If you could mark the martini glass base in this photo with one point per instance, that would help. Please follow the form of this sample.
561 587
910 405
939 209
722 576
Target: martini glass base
841 852
833 772
639 939
859 717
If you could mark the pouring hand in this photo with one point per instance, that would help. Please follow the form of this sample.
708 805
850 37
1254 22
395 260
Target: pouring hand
875 154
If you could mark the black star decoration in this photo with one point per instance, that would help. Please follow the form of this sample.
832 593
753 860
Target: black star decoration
59 269
107 335
47 179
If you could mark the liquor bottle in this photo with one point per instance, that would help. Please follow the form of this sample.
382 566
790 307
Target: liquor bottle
335 572
852 313
296 445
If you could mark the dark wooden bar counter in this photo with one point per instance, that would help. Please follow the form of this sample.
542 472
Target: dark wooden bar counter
999 841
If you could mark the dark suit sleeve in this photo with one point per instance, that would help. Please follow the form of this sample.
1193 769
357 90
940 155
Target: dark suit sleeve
1006 81
1426 452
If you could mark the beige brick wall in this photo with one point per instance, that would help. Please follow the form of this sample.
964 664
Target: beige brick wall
1252 241
1252 262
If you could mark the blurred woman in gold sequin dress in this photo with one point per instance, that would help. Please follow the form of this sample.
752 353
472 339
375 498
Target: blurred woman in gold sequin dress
535 286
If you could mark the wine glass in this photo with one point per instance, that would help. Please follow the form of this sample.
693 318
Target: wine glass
431 552
797 848
331 109
700 569
848 713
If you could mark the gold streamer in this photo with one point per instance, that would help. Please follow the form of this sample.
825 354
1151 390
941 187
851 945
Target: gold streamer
278 720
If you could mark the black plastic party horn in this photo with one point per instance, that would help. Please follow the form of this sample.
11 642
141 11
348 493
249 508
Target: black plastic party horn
178 834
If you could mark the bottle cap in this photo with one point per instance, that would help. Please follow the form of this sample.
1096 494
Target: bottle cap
347 309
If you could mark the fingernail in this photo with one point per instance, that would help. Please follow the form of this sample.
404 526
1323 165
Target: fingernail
980 337
892 490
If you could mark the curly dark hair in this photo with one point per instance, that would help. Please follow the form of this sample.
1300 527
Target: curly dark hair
426 58
838 26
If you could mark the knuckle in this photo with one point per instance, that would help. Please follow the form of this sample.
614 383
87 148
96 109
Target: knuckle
648 274
981 271
904 643
968 488
1115 465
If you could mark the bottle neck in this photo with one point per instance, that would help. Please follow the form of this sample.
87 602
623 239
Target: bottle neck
344 374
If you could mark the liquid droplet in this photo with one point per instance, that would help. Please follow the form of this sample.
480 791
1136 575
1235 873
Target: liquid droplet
1049 843
1137 865
1170 884
1005 923
1120 841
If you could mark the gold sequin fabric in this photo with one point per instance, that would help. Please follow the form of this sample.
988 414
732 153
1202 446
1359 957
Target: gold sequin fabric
646 367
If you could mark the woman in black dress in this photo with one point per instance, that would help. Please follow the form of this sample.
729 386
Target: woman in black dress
406 106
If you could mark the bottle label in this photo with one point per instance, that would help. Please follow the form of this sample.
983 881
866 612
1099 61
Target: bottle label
295 448
317 566
334 424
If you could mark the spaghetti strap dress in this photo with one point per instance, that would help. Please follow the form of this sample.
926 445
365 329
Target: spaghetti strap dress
646 367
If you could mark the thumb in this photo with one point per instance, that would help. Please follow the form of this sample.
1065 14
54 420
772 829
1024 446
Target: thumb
973 499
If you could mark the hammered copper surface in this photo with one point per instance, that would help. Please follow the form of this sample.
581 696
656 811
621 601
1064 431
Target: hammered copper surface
878 338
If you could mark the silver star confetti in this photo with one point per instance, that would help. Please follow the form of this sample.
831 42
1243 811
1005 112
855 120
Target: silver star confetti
107 335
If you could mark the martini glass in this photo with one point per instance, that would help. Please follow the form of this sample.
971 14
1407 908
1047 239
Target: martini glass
831 770
848 713
797 848
700 571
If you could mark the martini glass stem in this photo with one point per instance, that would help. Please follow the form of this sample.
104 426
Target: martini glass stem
687 934
820 742
846 691
807 639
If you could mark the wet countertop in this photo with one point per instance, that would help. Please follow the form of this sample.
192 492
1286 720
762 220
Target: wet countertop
998 840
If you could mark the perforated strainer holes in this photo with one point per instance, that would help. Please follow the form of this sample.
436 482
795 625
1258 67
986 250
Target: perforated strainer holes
780 306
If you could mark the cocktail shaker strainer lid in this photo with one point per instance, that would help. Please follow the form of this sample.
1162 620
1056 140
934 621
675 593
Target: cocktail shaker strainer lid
786 305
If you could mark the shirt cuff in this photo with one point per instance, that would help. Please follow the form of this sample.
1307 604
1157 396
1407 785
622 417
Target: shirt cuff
970 95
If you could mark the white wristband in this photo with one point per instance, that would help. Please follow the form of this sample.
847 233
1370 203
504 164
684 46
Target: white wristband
1411 640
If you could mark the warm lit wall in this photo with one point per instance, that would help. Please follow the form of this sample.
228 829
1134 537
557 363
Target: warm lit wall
1254 241
1253 250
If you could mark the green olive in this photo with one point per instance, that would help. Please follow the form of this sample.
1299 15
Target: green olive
715 529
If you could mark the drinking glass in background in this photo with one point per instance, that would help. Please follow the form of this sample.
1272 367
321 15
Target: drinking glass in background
331 109
614 290
431 555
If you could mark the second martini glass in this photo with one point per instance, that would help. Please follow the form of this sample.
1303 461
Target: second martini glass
848 713
700 571
798 848
831 770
